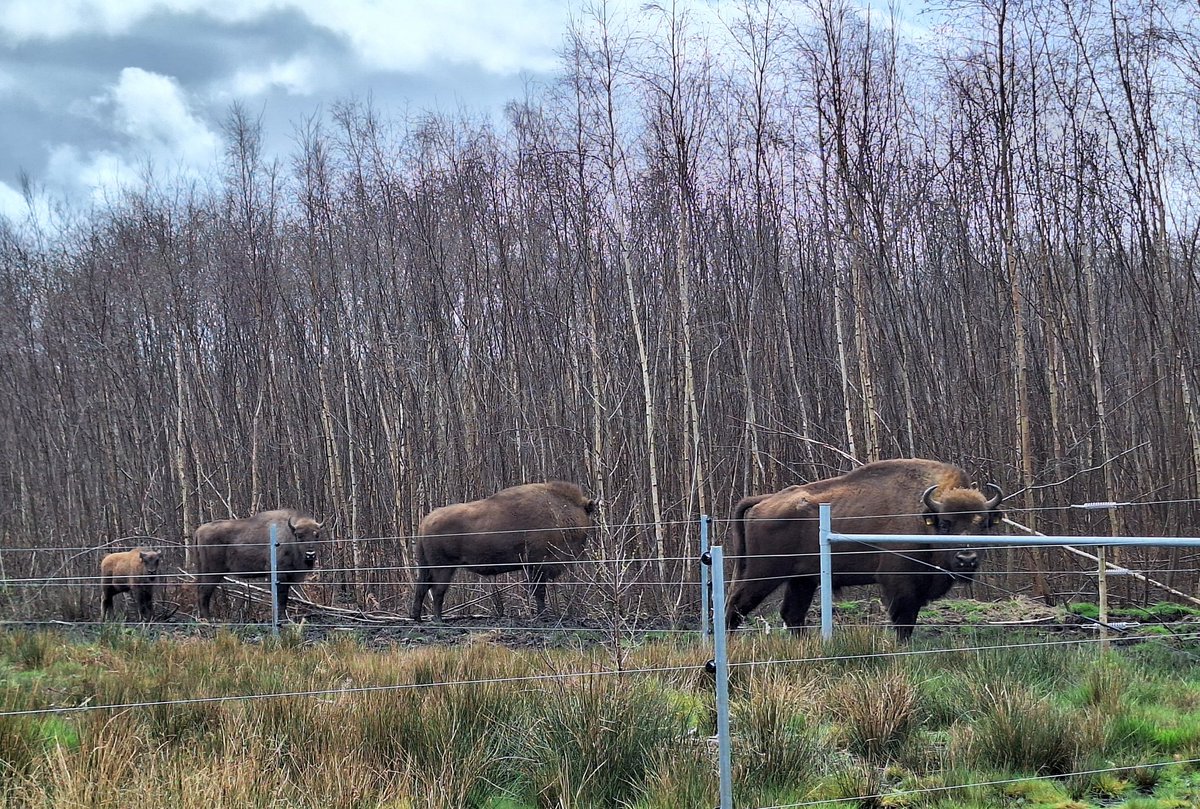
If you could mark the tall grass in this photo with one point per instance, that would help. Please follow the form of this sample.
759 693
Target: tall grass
475 727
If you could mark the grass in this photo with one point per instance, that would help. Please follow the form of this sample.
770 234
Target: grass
486 727
1162 611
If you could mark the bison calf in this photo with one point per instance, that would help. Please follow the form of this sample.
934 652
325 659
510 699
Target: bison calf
241 548
536 527
135 572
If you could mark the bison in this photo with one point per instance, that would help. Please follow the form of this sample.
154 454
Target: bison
536 527
133 572
242 548
775 538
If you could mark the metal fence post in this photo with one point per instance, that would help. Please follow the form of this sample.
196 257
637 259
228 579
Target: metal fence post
705 578
826 573
1102 593
274 581
719 665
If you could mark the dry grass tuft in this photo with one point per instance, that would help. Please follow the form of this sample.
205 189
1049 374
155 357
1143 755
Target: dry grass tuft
876 712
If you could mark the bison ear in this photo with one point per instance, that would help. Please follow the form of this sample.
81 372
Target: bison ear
590 506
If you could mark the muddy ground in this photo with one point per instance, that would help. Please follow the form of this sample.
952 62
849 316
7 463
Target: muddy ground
948 617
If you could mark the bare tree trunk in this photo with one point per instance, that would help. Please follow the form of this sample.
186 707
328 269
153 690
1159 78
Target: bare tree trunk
187 518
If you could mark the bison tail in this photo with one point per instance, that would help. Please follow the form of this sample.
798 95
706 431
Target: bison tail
737 548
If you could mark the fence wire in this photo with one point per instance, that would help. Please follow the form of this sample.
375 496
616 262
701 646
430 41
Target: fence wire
1185 635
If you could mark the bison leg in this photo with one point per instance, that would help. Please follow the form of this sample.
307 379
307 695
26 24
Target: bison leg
744 597
497 600
144 602
424 579
537 589
283 589
903 611
206 584
797 598
441 583
106 603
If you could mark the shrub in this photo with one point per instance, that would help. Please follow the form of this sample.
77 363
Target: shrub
774 744
1020 731
877 712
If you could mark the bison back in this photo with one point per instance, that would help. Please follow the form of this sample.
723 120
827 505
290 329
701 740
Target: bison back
466 534
534 522
241 546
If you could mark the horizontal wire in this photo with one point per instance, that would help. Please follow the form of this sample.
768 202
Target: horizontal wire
176 580
450 624
611 527
542 677
953 649
870 550
329 692
525 563
589 529
998 782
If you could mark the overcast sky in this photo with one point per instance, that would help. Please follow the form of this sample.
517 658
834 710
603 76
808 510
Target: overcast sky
92 89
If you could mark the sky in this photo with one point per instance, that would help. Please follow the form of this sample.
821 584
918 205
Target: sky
95 91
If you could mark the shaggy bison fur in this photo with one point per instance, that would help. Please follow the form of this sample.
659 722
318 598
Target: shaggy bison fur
775 538
241 548
134 572
535 527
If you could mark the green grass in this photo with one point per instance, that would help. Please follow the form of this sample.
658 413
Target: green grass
552 728
1163 611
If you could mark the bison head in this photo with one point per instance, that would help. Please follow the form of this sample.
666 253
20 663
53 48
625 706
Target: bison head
962 511
306 533
150 560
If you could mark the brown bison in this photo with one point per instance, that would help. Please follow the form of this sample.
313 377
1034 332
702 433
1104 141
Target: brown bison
241 548
134 572
775 538
535 527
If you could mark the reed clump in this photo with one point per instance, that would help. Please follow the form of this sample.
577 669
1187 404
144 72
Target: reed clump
224 722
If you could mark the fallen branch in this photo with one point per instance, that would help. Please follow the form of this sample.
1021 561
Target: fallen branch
1114 568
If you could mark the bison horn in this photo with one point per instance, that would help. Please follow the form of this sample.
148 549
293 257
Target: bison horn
995 501
292 524
927 499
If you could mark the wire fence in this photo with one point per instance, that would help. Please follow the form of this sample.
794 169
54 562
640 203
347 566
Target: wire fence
629 573
391 580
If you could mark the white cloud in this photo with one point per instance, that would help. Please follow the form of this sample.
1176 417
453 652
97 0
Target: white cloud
93 175
24 20
152 127
12 203
408 35
296 76
152 110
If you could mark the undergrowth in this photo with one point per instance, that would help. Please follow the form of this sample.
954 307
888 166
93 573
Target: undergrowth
482 726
